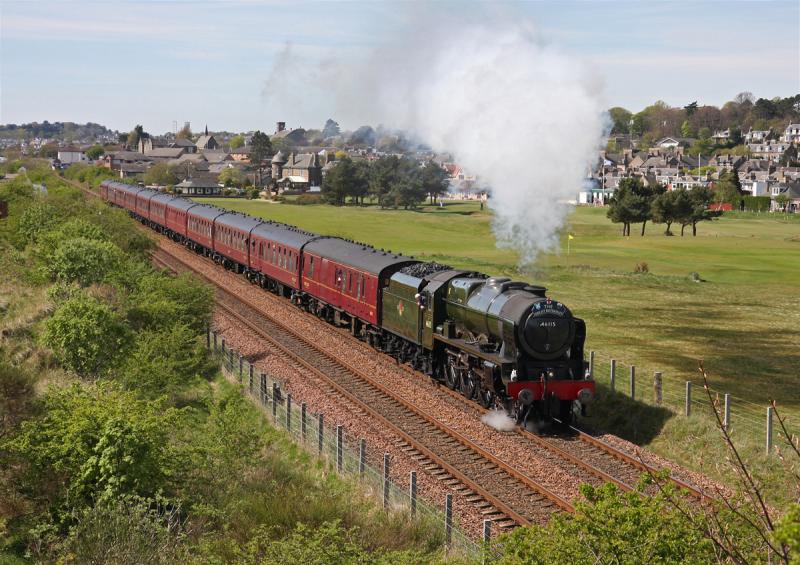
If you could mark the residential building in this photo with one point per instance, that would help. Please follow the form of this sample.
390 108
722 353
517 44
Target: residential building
769 149
297 171
199 185
165 153
756 136
792 134
70 155
721 137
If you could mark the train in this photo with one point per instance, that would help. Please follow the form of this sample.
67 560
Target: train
504 344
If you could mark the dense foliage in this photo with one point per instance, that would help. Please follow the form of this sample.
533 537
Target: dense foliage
393 181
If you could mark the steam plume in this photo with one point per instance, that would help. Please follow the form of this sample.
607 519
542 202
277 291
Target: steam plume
523 116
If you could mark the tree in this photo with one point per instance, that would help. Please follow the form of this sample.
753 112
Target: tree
95 151
790 157
364 135
686 129
237 141
670 207
184 133
86 336
690 109
343 180
620 120
231 176
132 141
160 174
260 150
435 180
700 197
331 129
631 203
782 201
729 188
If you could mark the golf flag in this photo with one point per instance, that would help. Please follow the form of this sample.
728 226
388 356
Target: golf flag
571 236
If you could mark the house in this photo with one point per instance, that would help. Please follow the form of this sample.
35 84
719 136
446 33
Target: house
240 154
128 170
769 149
216 156
727 162
671 142
148 144
116 159
721 137
199 185
165 153
756 136
207 142
792 190
299 171
187 145
70 155
792 134
290 136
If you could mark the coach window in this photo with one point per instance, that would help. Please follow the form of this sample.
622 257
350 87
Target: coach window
311 267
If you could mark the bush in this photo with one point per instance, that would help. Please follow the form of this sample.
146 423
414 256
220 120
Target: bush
129 530
86 336
165 361
757 203
37 218
641 268
161 301
85 261
306 199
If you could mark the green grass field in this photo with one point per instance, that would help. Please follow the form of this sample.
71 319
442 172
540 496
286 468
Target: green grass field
743 321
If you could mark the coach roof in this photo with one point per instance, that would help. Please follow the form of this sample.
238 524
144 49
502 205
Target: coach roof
162 197
357 255
182 203
206 211
289 236
236 220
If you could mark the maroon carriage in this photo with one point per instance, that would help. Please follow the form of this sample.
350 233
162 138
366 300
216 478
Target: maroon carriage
200 225
275 255
349 276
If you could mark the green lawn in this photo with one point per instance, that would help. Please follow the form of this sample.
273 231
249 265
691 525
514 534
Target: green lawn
744 320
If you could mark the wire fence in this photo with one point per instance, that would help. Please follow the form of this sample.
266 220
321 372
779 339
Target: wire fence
347 454
743 419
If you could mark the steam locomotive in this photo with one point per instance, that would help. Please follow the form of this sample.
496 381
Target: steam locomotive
502 343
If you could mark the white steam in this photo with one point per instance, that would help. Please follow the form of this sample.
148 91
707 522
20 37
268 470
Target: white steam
499 420
523 116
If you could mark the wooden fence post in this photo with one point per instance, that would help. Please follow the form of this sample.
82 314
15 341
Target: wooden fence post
726 419
208 338
657 390
611 383
215 340
263 389
591 364
362 457
487 539
320 431
688 402
412 492
303 429
250 375
274 401
386 480
288 412
339 448
633 382
241 368
769 430
448 519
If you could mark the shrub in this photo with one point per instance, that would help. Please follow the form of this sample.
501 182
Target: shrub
37 218
161 301
86 261
641 268
306 199
86 336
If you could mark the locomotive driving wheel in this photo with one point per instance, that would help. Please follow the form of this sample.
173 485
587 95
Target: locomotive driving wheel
486 398
469 384
451 377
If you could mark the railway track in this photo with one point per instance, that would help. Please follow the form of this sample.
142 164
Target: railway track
591 460
503 494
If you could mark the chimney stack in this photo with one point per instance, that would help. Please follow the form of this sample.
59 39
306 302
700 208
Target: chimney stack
281 127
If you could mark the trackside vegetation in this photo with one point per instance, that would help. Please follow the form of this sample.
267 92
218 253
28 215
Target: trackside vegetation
121 443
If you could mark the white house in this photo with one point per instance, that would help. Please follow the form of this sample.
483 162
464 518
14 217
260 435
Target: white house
792 133
756 136
69 155
769 149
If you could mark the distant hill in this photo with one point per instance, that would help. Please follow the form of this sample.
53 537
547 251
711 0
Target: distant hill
60 130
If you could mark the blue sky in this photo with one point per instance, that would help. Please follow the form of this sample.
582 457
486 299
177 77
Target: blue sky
151 62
